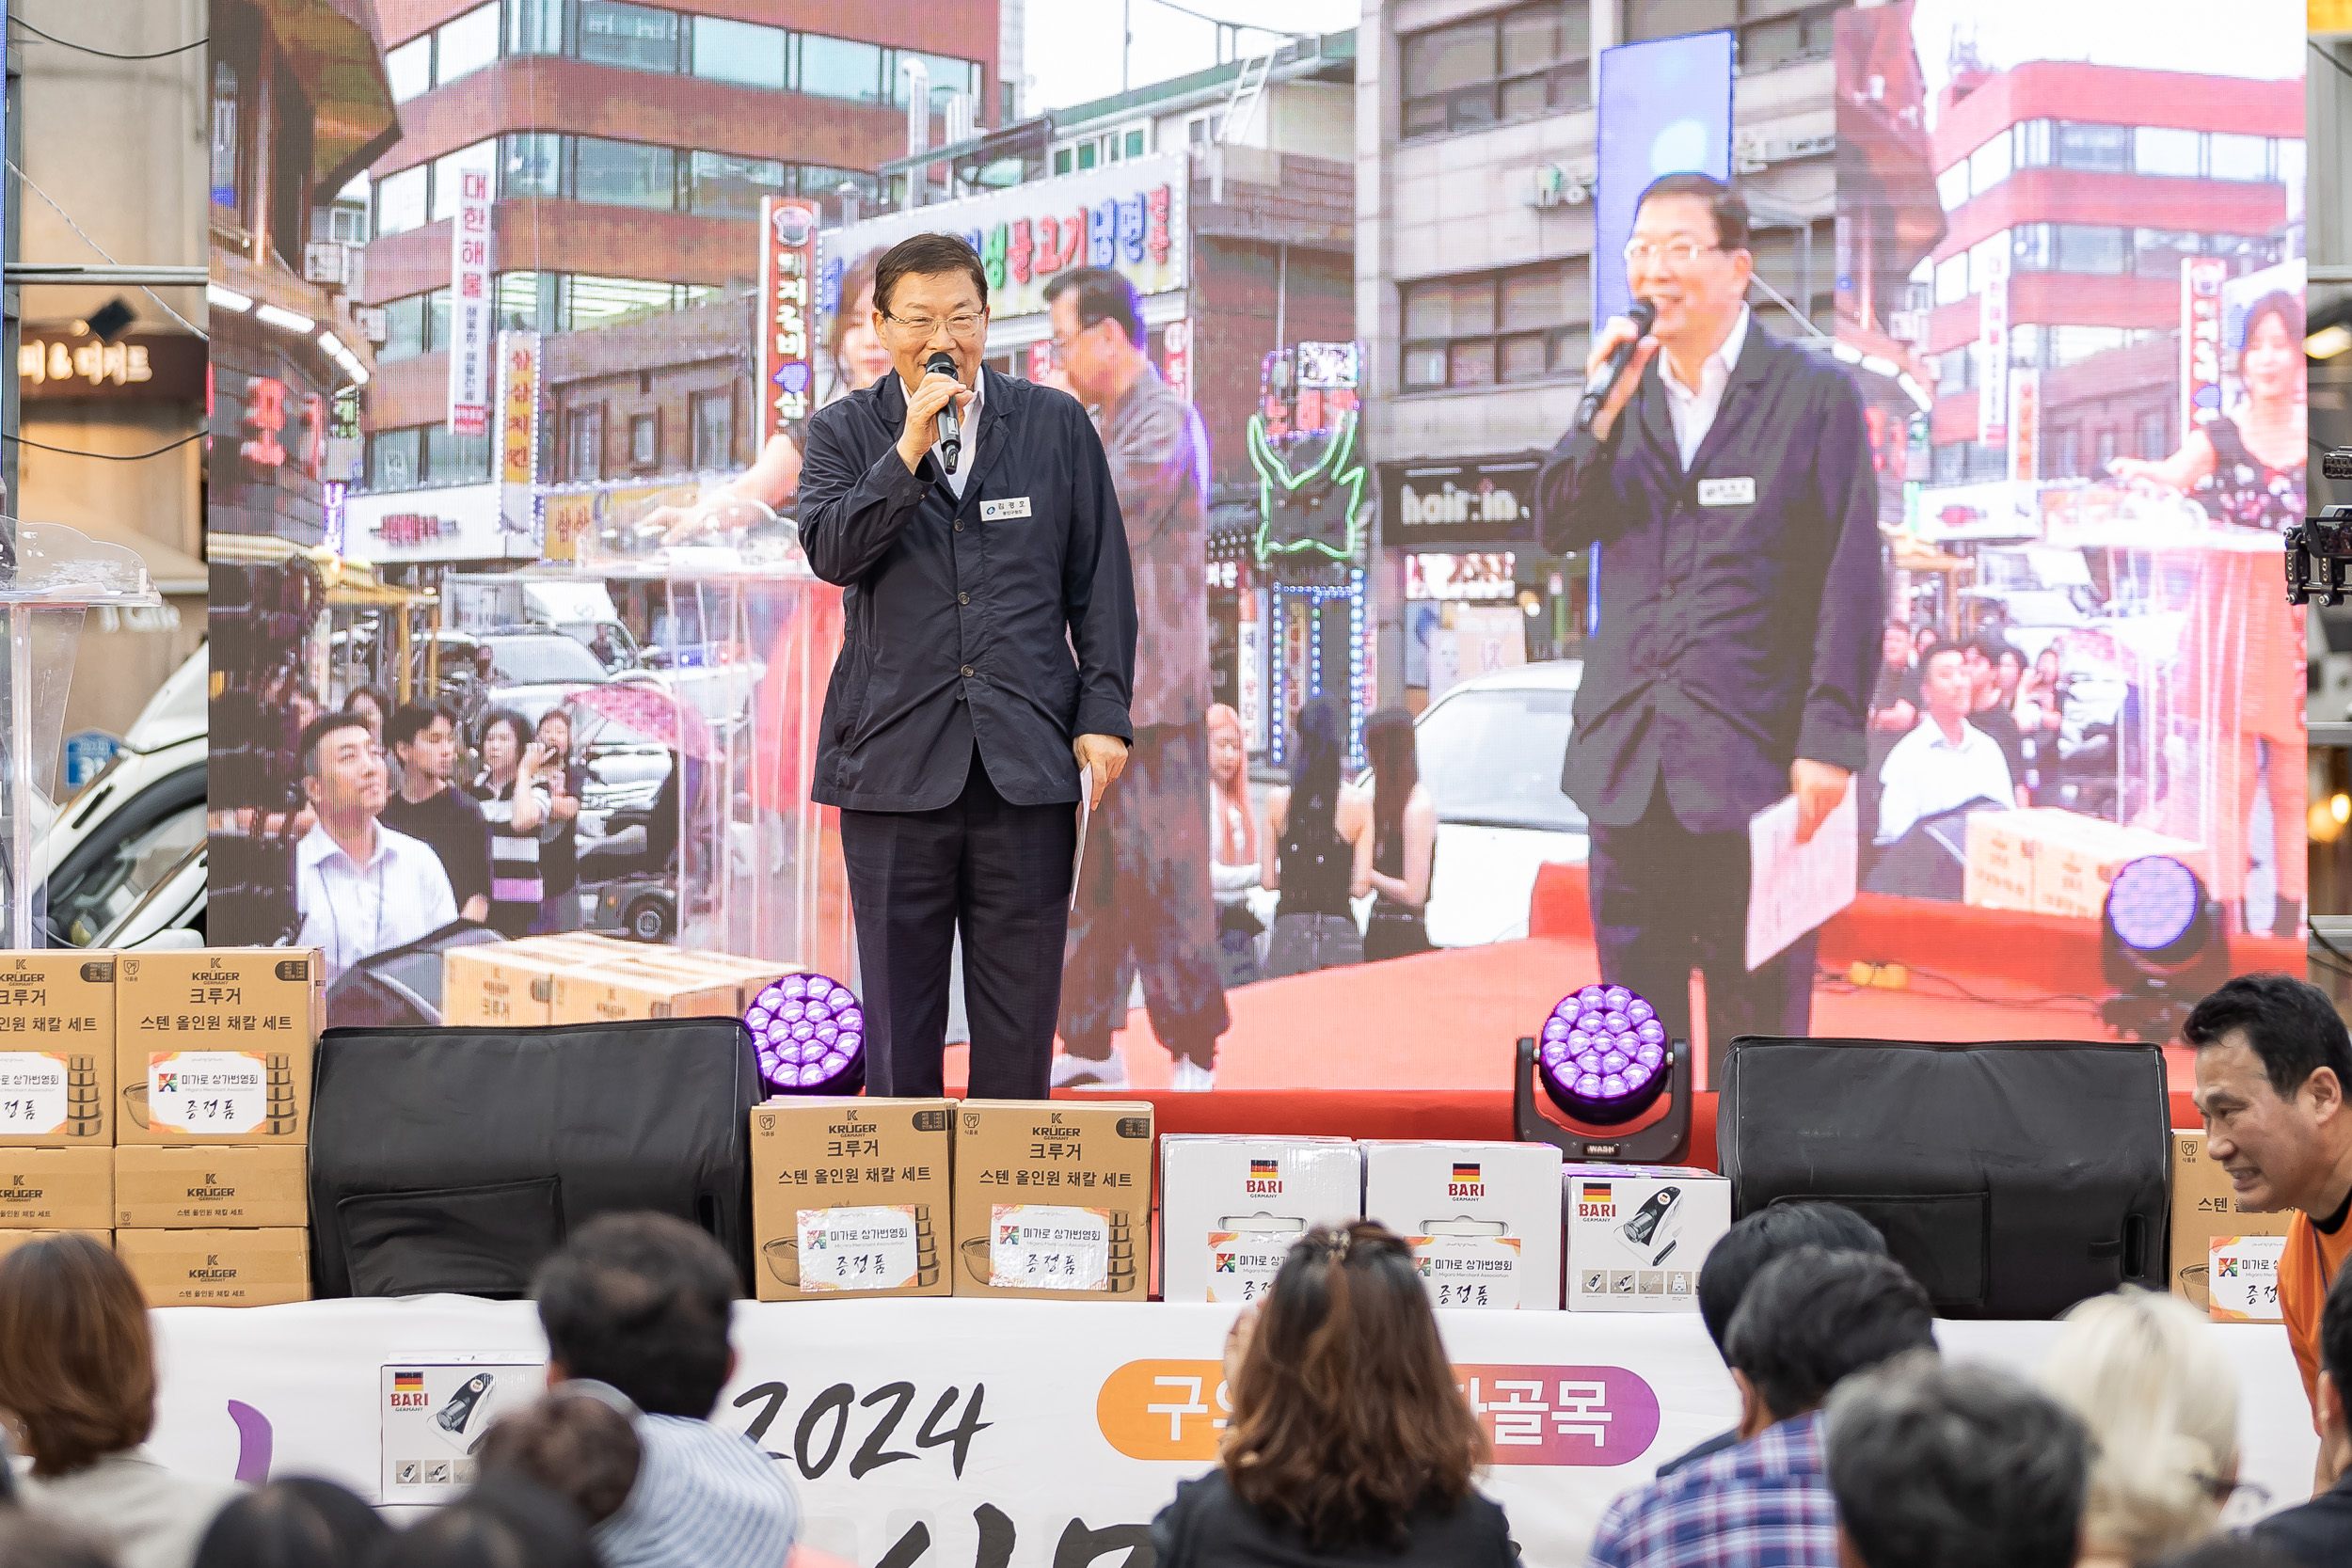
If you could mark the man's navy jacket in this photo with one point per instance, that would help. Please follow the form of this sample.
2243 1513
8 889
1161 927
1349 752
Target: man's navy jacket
1007 618
1741 602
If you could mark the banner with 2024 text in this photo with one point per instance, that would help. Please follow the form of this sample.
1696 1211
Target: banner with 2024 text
1002 1434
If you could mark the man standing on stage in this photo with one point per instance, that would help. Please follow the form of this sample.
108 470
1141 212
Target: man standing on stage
1730 488
1144 902
988 639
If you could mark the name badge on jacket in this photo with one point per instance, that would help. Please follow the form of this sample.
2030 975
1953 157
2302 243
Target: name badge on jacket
1727 492
1018 506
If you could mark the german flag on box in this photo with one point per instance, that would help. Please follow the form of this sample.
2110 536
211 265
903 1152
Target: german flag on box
1464 1171
1266 1170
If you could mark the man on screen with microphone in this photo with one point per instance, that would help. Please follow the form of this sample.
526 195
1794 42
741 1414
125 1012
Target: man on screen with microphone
1727 479
987 661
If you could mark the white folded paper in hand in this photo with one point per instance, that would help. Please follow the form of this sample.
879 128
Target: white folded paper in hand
1794 887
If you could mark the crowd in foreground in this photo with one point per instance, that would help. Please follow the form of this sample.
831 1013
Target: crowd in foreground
1858 1445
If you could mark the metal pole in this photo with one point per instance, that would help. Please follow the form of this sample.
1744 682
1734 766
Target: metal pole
127 276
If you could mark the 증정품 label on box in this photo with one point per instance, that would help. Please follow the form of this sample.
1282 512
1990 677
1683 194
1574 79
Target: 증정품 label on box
222 1092
33 1092
873 1249
1468 1271
2243 1278
1243 1263
1041 1247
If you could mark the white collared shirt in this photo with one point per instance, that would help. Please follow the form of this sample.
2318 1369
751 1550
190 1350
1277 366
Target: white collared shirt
1926 775
352 912
1694 410
968 435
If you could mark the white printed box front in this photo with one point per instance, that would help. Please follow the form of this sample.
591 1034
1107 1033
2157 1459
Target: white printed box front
1230 1207
1482 1219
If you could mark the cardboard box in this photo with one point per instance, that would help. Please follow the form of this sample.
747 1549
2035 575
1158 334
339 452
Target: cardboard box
1637 1235
57 1189
849 1197
263 1267
2078 856
2000 870
210 1185
214 1046
749 976
628 990
2244 1271
1483 1218
1052 1198
2203 1208
1230 1207
2052 862
501 984
12 1240
57 1048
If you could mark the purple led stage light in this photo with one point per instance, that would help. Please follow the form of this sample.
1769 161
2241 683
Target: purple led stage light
1603 1055
2152 902
810 1035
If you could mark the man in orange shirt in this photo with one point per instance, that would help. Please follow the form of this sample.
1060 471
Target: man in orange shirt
2273 1065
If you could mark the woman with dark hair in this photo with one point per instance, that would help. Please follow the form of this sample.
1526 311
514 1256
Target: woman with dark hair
1319 851
1404 839
1349 1441
2249 466
371 704
558 855
294 1524
517 804
577 1442
77 1384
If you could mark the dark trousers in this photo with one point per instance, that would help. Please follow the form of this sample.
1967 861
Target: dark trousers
1144 905
1666 899
1000 874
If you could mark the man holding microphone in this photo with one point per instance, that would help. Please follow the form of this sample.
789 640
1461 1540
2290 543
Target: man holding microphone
986 666
1727 479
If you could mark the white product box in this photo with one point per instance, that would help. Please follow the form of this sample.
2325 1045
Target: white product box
1483 1218
1229 1208
1637 1235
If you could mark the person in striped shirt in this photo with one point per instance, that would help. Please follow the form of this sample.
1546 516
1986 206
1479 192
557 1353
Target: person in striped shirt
642 1301
519 807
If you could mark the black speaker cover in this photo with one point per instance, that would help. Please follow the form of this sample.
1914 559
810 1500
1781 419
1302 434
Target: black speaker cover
458 1159
401 986
2012 1178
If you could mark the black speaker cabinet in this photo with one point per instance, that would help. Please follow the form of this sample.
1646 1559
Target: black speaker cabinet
2012 1178
458 1159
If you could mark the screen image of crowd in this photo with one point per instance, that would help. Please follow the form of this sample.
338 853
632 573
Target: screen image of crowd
2049 639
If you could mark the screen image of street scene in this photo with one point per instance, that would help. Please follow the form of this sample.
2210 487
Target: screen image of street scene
520 311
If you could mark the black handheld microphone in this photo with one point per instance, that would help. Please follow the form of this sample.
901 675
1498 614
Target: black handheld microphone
1642 315
950 428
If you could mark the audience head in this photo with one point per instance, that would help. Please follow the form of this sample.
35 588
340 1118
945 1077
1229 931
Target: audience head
1895 645
1318 747
2158 1397
369 704
577 1442
1943 1466
505 734
1944 682
424 737
77 1367
508 1520
1345 1413
1732 1264
2273 1060
641 1301
29 1539
292 1524
1813 1316
344 773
